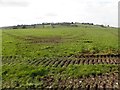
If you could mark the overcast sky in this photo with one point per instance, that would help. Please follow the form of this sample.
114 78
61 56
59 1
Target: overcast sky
13 12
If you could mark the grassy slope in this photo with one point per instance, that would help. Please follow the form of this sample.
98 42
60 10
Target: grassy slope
104 40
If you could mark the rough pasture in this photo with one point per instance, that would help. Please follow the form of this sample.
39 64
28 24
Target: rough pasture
61 57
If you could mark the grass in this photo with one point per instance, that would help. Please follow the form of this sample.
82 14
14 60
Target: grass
72 41
24 74
49 43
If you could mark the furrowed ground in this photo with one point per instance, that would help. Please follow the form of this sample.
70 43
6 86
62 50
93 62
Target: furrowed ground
62 57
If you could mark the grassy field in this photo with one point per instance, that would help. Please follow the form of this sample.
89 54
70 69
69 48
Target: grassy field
59 42
27 53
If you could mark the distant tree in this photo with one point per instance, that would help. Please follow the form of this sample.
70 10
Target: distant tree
72 23
15 27
52 25
102 25
23 27
34 26
43 25
91 24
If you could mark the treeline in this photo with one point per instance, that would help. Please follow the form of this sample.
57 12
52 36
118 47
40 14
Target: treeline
53 25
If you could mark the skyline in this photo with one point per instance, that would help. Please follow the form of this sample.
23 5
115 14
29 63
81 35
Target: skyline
14 12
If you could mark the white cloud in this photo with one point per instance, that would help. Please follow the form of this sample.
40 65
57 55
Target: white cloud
37 11
13 3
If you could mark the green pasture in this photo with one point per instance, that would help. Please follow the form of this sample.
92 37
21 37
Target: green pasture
59 42
54 43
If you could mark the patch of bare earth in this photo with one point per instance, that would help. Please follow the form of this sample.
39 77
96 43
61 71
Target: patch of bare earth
33 39
104 81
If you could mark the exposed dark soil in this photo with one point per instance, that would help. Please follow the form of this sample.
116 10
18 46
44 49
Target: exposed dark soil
108 80
55 39
35 39
63 62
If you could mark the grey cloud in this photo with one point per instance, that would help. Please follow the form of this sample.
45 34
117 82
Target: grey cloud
13 3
